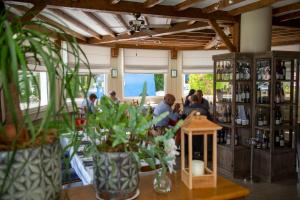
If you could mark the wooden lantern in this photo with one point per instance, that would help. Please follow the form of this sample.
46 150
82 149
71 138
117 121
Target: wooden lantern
199 125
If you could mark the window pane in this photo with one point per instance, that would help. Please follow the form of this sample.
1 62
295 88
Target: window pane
133 84
202 82
80 84
38 90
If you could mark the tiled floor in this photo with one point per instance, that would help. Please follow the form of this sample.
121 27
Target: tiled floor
284 190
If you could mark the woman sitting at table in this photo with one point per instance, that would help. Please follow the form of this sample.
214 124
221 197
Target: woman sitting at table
188 98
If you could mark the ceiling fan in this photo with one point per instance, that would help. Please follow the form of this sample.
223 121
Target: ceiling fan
139 25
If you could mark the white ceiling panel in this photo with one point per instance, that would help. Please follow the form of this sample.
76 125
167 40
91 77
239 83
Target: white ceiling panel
80 16
171 2
243 3
49 14
205 3
111 21
284 3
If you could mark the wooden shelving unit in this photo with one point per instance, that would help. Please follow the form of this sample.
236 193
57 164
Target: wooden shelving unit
278 160
273 110
233 151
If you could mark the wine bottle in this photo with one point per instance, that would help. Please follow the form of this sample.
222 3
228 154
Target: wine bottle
282 99
278 71
242 71
265 120
260 119
247 119
236 139
247 72
263 143
277 93
258 96
237 95
281 139
278 116
259 71
242 94
237 73
258 140
228 138
283 71
247 94
277 138
238 119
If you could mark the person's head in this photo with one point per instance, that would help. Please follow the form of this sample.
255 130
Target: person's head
199 94
93 97
191 92
194 99
112 94
169 99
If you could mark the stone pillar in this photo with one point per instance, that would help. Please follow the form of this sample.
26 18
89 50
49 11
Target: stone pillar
174 85
256 30
116 84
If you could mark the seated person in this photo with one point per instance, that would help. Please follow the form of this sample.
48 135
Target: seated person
113 96
195 105
88 105
188 98
202 101
197 140
164 106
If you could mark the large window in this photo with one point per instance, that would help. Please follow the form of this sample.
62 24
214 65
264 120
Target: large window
202 82
133 84
80 85
38 93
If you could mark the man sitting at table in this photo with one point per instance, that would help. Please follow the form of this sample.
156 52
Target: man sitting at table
88 105
202 100
166 106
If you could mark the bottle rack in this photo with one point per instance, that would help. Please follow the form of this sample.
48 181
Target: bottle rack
275 113
271 110
232 110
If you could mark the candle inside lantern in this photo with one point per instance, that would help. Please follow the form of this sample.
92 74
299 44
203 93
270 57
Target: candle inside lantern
197 168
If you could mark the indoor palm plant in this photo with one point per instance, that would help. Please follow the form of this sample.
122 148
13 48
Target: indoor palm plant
29 151
120 140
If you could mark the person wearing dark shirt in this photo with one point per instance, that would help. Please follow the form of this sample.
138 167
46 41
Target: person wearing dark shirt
202 100
195 105
187 98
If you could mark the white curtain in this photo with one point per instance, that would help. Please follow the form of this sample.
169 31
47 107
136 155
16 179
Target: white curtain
146 61
98 57
199 62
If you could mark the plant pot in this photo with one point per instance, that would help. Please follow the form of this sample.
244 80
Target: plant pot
116 175
35 173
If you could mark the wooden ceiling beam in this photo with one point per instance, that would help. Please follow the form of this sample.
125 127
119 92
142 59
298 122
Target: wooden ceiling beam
76 22
100 22
289 16
53 23
286 42
177 28
220 5
253 6
222 35
186 4
152 3
287 8
294 23
127 7
33 12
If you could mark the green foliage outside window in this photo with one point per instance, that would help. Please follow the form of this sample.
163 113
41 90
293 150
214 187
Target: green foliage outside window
159 82
34 94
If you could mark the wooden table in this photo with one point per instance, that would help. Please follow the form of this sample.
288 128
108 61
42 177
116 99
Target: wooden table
225 190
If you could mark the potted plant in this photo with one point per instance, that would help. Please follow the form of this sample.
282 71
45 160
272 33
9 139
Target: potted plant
120 139
30 161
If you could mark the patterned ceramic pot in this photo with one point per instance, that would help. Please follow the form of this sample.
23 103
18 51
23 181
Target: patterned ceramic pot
34 175
116 175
